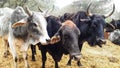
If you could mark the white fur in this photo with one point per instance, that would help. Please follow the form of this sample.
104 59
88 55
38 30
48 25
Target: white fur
43 24
5 14
29 40
114 35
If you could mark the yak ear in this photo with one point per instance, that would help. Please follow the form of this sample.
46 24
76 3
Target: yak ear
20 23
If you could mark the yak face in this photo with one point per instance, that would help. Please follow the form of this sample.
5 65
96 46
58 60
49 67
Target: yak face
37 27
69 35
53 24
114 24
69 39
32 28
97 25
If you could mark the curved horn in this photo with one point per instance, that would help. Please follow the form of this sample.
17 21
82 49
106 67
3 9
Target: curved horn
112 26
40 9
111 12
45 13
28 11
52 8
88 12
48 11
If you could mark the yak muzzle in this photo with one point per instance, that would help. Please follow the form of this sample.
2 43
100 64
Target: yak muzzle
76 57
101 41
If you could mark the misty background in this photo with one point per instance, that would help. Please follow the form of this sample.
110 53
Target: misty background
59 7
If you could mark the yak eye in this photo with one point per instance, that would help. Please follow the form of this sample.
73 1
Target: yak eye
33 24
66 36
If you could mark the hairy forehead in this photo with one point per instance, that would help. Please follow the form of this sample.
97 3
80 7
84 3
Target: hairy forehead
37 16
97 16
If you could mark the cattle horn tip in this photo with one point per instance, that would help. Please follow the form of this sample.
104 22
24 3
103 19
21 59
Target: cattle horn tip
111 12
88 12
28 11
40 9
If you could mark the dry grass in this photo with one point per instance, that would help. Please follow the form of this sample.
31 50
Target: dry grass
93 57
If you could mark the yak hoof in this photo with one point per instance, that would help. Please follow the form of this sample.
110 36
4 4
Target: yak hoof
68 64
33 60
43 67
79 64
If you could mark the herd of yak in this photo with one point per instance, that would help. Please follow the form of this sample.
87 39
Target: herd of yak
60 35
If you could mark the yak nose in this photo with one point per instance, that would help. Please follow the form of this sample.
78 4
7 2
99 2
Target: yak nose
77 56
48 40
101 41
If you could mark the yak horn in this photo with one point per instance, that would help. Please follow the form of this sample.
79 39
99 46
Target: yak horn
111 12
88 12
112 26
28 11
40 9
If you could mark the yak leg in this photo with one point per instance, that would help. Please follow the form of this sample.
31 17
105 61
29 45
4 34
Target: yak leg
55 59
24 49
33 49
44 58
6 45
69 61
80 48
56 64
79 63
13 50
